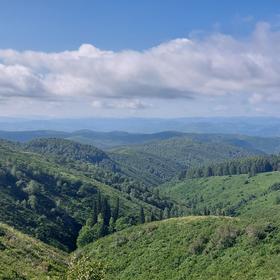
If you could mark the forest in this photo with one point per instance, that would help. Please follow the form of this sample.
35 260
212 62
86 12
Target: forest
98 210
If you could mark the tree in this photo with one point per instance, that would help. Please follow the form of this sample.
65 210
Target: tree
99 202
111 228
32 201
32 188
142 216
86 236
116 210
94 213
166 214
106 211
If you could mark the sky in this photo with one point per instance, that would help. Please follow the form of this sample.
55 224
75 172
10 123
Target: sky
148 58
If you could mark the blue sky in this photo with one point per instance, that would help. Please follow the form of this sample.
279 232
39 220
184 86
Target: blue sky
56 25
168 58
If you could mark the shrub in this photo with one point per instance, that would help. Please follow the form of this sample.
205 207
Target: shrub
275 187
84 268
225 237
198 245
277 200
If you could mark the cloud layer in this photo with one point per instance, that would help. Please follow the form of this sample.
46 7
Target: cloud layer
214 66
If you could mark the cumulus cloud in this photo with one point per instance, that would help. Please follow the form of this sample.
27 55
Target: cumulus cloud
215 65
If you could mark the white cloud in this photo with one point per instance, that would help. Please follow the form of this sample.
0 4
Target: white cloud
216 65
132 104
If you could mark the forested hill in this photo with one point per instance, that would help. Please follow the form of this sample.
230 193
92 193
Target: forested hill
107 140
66 150
51 200
247 165
183 151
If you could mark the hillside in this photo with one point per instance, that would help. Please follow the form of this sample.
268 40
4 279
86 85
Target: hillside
191 248
147 167
52 201
181 151
64 151
23 257
238 195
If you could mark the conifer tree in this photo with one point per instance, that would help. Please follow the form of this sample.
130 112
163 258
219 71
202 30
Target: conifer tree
142 216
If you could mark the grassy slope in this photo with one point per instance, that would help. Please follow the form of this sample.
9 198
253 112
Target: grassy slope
250 197
28 257
189 248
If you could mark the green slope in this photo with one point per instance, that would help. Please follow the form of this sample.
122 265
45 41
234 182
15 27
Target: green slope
23 257
185 151
237 195
151 169
51 201
191 248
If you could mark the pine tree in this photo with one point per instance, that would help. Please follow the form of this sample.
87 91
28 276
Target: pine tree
106 211
116 210
99 202
94 213
142 216
111 225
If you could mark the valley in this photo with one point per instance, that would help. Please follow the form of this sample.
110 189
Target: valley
164 208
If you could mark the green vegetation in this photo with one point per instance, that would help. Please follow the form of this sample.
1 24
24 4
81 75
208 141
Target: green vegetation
84 268
111 210
251 166
238 195
159 161
191 248
150 169
52 201
23 257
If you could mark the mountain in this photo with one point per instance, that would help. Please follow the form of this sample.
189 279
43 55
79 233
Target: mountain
254 126
108 140
184 151
115 205
197 247
51 197
23 257
23 136
147 167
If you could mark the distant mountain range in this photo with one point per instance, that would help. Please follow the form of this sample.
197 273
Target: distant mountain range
254 126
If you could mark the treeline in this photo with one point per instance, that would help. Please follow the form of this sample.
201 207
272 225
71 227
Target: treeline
105 219
251 166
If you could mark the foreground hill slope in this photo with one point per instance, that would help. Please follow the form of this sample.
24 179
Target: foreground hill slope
191 248
23 257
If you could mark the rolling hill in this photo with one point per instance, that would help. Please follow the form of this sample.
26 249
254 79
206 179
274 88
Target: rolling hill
52 200
108 140
238 195
166 159
191 248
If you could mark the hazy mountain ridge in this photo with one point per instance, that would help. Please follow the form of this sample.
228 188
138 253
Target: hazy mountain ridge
254 126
